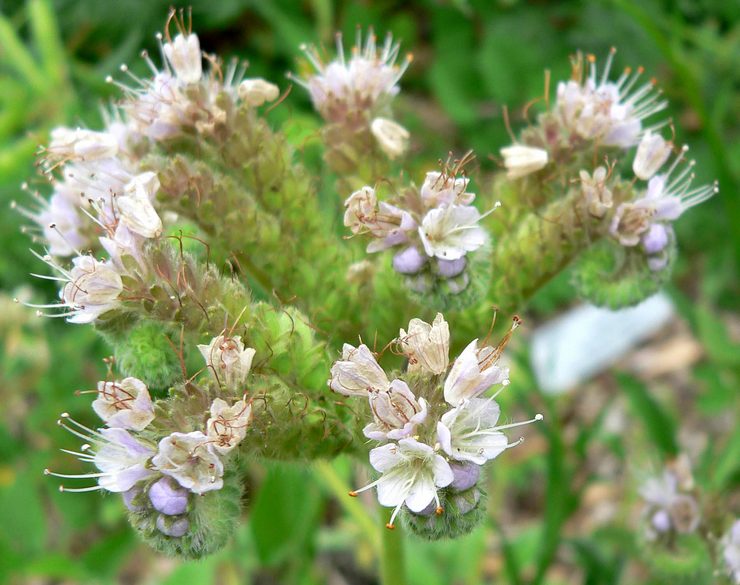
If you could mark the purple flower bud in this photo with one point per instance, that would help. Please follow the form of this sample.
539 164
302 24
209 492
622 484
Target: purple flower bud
465 474
656 239
661 521
168 497
128 499
457 285
409 261
175 527
450 268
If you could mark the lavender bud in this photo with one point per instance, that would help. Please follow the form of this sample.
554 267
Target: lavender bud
658 263
656 239
168 497
661 521
409 261
465 474
128 499
429 510
172 527
450 268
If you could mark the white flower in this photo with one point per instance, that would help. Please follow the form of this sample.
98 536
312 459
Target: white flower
451 232
80 144
357 373
227 425
365 82
183 55
187 457
120 458
228 359
468 432
597 195
521 161
611 112
652 152
92 288
62 225
411 474
731 551
666 198
125 404
427 346
392 138
257 91
396 412
444 189
473 372
385 222
135 207
157 109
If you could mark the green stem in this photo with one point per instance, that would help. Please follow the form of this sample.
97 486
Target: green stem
327 475
392 566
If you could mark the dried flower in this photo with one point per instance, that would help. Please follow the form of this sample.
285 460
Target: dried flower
125 404
597 196
187 457
652 152
427 346
228 360
396 412
392 138
357 373
228 425
257 91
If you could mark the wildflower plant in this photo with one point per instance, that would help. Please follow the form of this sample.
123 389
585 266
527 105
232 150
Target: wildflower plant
189 234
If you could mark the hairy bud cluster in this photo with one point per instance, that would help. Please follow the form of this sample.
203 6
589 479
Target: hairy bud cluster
433 424
435 228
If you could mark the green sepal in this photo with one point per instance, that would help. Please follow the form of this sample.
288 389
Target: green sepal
462 513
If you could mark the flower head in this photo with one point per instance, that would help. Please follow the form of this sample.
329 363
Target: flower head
427 346
228 425
357 373
411 474
121 459
367 81
451 232
396 412
188 458
608 111
668 195
227 359
125 404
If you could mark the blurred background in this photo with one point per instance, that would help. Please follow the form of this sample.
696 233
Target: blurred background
563 507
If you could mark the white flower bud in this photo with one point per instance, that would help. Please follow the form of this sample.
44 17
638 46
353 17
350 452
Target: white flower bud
392 138
427 346
227 359
183 54
523 160
357 373
81 144
652 152
135 208
257 91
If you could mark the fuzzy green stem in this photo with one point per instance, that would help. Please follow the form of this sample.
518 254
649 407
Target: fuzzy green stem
392 565
542 245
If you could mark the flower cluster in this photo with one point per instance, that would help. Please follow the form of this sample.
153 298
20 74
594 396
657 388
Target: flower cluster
182 96
646 220
434 424
670 506
609 112
103 198
154 472
355 94
435 227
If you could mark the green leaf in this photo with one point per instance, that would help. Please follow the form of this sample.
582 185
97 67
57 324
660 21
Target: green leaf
285 514
659 425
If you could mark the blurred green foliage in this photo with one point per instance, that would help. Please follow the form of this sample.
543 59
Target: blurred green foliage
472 58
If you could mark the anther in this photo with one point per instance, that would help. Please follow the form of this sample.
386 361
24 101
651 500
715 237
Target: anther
352 494
439 511
390 526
